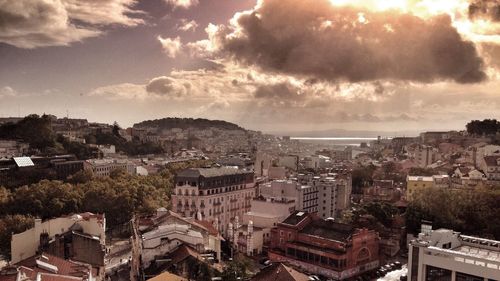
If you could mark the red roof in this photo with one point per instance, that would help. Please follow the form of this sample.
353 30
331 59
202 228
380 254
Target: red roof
64 267
209 226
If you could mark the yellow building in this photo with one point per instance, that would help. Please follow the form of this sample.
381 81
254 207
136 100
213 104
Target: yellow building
414 183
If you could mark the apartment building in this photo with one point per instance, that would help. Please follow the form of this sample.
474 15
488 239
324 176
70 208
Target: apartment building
333 192
304 196
446 255
325 195
214 194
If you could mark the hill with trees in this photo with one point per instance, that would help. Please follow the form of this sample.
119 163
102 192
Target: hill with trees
185 123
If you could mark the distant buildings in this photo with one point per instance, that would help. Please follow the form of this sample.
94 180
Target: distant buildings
217 195
324 247
491 167
104 167
12 148
18 171
446 255
425 155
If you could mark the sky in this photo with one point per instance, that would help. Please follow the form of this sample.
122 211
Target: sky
269 65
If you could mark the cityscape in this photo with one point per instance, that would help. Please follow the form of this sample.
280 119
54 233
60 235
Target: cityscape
253 140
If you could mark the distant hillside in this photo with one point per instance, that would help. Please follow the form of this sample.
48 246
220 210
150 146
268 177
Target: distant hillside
184 123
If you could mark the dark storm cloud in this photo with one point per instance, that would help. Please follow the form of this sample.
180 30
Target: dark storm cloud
315 39
487 9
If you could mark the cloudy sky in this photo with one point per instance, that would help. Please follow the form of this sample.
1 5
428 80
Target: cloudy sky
271 65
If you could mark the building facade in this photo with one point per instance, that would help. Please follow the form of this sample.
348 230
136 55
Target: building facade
324 247
104 167
213 194
446 255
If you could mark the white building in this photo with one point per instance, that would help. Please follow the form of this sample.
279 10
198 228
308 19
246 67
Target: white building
26 244
325 195
267 212
445 255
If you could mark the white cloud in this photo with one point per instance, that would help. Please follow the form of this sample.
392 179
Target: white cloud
185 25
171 46
7 92
104 12
185 4
32 24
125 91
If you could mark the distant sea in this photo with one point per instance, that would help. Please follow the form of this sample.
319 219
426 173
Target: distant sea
354 141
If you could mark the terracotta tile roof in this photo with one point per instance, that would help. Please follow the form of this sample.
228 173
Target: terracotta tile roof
64 267
279 272
209 226
183 252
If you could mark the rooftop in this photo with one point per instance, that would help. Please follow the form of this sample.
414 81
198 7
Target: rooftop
295 218
461 245
420 178
211 172
329 230
279 272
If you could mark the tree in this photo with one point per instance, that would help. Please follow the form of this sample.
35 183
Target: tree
473 212
235 270
485 127
362 177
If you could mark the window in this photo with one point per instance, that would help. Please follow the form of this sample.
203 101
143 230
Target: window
467 277
414 263
436 274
